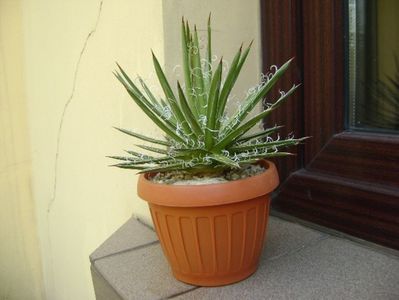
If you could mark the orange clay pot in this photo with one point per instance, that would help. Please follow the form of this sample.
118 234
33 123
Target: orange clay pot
212 234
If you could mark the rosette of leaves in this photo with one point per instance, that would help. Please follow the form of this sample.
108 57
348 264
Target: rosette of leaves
199 135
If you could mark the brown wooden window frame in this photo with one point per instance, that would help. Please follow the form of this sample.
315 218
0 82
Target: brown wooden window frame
343 179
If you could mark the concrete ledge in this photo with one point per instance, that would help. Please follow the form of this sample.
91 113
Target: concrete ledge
133 234
102 288
297 263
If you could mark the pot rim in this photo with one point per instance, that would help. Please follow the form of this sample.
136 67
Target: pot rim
209 194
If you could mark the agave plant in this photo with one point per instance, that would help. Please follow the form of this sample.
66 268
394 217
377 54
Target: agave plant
199 135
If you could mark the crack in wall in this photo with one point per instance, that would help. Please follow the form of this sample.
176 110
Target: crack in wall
67 103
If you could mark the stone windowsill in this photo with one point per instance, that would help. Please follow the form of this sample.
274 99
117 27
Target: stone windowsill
297 263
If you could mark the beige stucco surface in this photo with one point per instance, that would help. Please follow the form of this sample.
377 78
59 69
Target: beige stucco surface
64 200
20 264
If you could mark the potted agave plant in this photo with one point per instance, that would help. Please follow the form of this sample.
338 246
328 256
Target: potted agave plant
207 181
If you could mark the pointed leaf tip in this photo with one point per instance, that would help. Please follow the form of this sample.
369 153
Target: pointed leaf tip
119 66
290 60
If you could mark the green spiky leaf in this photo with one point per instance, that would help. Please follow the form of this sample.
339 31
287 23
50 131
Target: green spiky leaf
196 139
143 137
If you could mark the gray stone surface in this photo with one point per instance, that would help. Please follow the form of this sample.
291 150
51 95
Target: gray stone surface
297 263
285 237
140 274
130 235
102 289
329 268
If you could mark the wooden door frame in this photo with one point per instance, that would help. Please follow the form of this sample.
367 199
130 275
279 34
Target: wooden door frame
342 179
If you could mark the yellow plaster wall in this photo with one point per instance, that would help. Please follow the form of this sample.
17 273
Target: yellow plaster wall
20 265
74 100
67 201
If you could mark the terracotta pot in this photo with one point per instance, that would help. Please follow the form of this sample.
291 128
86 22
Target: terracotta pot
212 234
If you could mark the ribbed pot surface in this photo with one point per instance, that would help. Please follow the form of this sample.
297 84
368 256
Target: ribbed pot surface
212 245
212 234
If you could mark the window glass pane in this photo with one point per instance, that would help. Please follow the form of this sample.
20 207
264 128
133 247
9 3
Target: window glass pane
373 67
